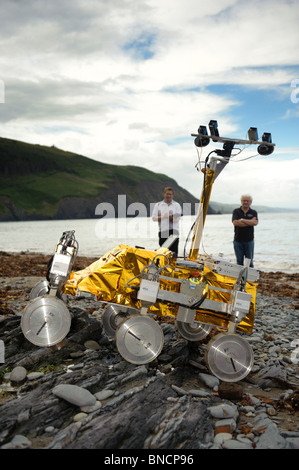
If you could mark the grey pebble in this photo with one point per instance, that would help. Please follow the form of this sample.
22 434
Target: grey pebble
91 408
49 429
79 416
78 366
229 422
223 411
18 442
199 393
104 394
179 390
235 444
35 375
73 394
209 380
91 344
221 437
247 409
18 374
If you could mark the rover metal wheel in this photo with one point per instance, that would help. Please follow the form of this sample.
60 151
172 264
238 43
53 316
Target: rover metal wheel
229 357
139 339
45 321
113 315
40 289
193 331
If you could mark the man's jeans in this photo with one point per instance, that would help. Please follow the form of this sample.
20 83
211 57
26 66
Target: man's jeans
244 250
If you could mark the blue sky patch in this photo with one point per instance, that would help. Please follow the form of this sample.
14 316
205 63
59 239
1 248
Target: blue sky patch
141 47
267 109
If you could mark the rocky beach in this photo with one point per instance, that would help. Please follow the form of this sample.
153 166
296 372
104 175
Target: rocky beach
83 395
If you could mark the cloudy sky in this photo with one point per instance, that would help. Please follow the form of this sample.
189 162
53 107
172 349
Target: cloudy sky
128 81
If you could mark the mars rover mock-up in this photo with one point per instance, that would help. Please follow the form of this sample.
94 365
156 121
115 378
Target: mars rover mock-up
137 285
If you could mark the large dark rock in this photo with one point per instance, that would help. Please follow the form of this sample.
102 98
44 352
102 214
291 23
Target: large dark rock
143 411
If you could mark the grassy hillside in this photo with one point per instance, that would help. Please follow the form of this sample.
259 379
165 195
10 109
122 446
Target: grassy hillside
46 182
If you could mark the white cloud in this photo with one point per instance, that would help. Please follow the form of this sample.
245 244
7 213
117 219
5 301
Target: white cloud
126 82
271 181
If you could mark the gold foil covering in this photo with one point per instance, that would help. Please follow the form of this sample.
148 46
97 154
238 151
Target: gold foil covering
220 319
107 278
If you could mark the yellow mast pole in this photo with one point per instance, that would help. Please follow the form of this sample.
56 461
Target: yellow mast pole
202 210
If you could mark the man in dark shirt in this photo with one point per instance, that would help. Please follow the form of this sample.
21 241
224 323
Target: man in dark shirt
244 219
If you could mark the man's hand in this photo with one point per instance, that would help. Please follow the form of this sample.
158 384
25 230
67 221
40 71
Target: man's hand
245 222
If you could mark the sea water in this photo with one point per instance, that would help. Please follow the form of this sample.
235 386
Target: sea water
276 237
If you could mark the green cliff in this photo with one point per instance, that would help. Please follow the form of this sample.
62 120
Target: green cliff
39 182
